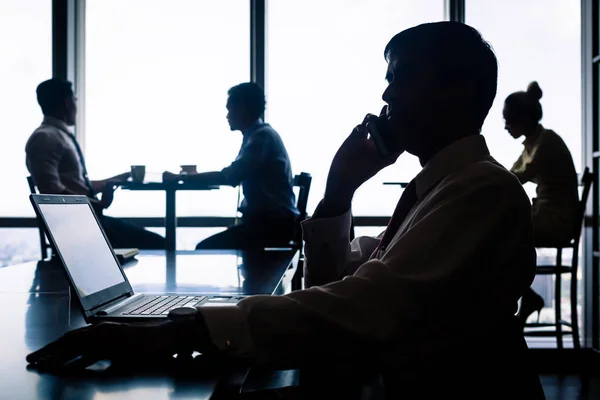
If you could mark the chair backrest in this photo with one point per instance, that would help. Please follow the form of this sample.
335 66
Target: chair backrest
587 178
44 244
303 181
31 183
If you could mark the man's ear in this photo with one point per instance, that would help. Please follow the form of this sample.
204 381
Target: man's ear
460 94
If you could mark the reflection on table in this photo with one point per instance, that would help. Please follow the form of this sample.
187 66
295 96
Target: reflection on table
38 308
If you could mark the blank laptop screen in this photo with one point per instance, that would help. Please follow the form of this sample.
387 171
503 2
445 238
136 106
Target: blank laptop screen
86 254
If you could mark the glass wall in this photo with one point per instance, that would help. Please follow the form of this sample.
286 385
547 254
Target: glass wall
26 48
535 40
157 74
325 71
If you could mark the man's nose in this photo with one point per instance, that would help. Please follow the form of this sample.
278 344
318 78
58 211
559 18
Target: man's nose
388 94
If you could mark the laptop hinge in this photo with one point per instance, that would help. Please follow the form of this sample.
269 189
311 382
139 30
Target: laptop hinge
112 305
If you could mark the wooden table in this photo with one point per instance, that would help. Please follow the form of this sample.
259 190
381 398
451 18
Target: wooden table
37 308
170 189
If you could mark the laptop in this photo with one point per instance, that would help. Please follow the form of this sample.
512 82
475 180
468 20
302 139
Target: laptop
93 270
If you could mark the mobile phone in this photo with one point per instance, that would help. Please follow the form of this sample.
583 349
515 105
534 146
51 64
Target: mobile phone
380 131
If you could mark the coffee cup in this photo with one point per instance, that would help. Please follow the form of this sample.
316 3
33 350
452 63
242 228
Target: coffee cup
188 169
138 172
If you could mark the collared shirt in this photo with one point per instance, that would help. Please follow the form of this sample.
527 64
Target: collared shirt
547 162
264 170
452 273
54 161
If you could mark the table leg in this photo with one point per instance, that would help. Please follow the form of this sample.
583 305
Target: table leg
171 220
171 278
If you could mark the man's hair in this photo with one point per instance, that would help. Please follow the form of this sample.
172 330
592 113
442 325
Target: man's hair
251 96
457 51
52 93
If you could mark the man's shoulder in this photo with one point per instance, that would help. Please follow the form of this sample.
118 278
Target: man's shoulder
46 132
265 131
267 135
45 135
486 175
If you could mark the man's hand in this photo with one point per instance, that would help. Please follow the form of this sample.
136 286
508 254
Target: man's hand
118 178
356 161
171 177
99 185
108 195
106 341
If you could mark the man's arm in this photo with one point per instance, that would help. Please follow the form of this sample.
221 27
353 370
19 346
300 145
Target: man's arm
247 163
100 185
429 274
250 159
329 254
212 178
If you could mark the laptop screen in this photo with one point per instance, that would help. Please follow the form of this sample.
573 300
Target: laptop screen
86 253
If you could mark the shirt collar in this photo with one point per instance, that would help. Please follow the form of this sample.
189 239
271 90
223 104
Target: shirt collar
531 140
57 123
458 154
253 128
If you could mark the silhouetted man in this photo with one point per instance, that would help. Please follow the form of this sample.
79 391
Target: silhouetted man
55 161
430 304
263 169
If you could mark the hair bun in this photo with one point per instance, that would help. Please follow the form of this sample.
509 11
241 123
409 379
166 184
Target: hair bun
534 90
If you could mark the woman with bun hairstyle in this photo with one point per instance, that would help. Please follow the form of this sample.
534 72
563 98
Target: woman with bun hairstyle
547 162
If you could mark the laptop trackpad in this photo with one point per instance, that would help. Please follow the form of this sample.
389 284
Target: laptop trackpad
221 301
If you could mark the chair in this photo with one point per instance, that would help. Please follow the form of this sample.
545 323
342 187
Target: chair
303 182
558 270
44 244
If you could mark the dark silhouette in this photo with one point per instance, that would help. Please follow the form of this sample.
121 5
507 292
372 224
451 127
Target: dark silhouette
263 169
547 162
57 166
425 311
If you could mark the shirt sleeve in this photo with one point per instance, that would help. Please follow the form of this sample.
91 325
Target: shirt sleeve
44 154
329 254
427 275
249 160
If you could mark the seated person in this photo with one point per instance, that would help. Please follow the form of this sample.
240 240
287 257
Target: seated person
56 164
429 307
262 167
547 162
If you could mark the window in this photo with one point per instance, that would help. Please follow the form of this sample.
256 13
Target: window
18 245
26 48
534 40
325 71
157 74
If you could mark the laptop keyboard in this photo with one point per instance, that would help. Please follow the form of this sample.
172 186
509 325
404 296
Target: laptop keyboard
161 305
